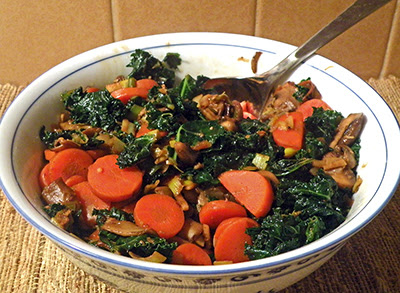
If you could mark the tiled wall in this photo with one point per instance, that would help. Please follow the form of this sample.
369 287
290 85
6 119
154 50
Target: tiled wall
36 35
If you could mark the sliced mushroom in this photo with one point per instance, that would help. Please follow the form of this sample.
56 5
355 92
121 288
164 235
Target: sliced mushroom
123 228
348 130
282 99
61 144
344 177
339 164
58 192
185 153
154 257
191 230
63 219
218 107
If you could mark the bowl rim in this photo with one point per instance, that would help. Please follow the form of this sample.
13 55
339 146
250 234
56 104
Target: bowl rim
217 38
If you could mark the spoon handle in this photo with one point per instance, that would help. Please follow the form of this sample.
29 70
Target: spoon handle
352 15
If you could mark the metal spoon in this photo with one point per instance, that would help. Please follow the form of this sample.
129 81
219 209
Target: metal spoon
259 88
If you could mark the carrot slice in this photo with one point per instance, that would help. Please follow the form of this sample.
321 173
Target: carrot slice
250 189
221 227
307 108
125 94
69 162
289 130
161 213
92 89
190 254
49 154
74 179
110 182
146 83
89 201
214 212
230 245
44 176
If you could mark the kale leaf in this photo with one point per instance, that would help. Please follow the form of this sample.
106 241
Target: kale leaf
98 109
142 245
145 65
102 215
323 123
77 136
53 209
136 149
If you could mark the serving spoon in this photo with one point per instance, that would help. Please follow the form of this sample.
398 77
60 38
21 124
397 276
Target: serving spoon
258 89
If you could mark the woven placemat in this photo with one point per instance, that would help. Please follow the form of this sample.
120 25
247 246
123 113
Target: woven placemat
368 262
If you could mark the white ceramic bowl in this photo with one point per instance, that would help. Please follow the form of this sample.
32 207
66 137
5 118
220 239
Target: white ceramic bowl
210 54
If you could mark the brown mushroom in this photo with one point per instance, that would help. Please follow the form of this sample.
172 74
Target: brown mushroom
348 130
282 99
58 192
185 153
123 228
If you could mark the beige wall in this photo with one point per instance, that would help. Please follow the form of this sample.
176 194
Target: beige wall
38 34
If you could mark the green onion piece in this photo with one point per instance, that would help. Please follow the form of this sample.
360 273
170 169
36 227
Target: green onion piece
176 185
130 82
135 110
260 161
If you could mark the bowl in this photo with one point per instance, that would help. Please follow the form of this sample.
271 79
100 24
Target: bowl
213 55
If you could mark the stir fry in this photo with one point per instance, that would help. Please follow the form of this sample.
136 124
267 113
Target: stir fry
163 170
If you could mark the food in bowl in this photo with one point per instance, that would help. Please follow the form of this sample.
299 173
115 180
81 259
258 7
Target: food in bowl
184 175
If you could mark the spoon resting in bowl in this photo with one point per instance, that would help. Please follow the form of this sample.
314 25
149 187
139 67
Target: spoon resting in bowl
258 89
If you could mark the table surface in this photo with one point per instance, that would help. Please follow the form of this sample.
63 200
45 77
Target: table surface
368 262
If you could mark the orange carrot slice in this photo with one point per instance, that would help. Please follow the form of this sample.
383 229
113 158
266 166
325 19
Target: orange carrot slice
49 154
69 162
110 182
289 130
161 213
44 176
214 212
307 108
230 245
125 94
190 254
251 189
146 83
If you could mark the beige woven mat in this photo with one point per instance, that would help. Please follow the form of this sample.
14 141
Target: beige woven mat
369 261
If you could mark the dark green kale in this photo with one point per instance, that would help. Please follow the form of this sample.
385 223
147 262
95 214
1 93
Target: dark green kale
143 245
49 138
320 131
304 210
280 233
323 123
301 91
173 60
98 109
145 65
284 167
53 209
167 111
136 149
120 215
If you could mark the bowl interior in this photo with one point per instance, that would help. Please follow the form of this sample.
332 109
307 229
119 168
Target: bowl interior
211 55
